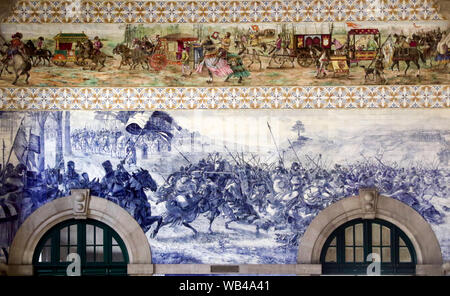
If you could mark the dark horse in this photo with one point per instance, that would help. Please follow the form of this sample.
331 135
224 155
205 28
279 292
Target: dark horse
38 55
131 196
407 55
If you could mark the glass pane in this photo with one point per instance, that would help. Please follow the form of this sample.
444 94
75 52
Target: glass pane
401 242
117 255
98 236
349 254
63 237
90 254
386 255
333 242
114 242
386 236
73 250
45 255
405 256
63 254
349 236
73 234
376 251
99 254
359 254
375 234
359 234
331 255
90 234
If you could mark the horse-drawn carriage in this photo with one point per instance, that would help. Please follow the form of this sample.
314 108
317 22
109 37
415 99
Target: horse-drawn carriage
64 48
303 44
363 44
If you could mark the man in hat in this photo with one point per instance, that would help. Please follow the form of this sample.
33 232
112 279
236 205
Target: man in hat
16 47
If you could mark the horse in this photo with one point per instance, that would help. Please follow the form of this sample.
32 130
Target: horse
20 63
281 56
131 196
407 55
253 54
39 55
125 54
87 52
183 204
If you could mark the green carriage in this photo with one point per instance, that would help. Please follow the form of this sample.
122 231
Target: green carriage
65 47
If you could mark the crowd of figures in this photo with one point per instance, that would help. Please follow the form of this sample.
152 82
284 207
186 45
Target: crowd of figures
266 196
288 199
115 143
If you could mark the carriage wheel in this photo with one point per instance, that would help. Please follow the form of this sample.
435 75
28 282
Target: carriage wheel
304 60
158 61
59 63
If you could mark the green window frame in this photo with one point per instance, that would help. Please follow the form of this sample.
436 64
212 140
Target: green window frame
346 249
101 250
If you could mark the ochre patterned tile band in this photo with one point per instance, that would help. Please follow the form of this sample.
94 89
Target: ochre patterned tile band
432 96
80 11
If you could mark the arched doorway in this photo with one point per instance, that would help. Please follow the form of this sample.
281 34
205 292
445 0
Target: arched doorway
417 235
100 249
346 250
79 209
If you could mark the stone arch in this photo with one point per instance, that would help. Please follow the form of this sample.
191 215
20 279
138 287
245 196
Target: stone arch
79 205
370 205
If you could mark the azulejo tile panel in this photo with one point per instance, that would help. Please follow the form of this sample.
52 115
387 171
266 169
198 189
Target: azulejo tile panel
432 96
80 11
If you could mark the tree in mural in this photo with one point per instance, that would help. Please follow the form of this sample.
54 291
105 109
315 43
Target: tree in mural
298 127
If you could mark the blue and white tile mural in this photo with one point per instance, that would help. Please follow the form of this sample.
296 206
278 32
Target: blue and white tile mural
216 186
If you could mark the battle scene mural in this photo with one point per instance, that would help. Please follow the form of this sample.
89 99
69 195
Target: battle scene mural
239 186
239 54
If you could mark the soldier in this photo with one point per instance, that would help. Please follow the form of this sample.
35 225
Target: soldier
71 178
107 181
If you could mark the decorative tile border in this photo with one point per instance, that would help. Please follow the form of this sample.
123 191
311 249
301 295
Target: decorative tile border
19 99
222 11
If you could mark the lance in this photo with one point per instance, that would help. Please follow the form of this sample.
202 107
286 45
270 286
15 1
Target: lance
292 147
276 146
317 166
182 154
231 155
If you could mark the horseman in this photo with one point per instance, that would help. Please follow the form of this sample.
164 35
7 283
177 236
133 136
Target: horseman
40 45
97 45
16 47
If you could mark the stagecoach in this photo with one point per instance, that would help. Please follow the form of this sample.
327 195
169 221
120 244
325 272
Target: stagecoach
65 47
363 44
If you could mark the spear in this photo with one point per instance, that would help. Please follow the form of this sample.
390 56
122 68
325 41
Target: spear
276 146
231 155
292 147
